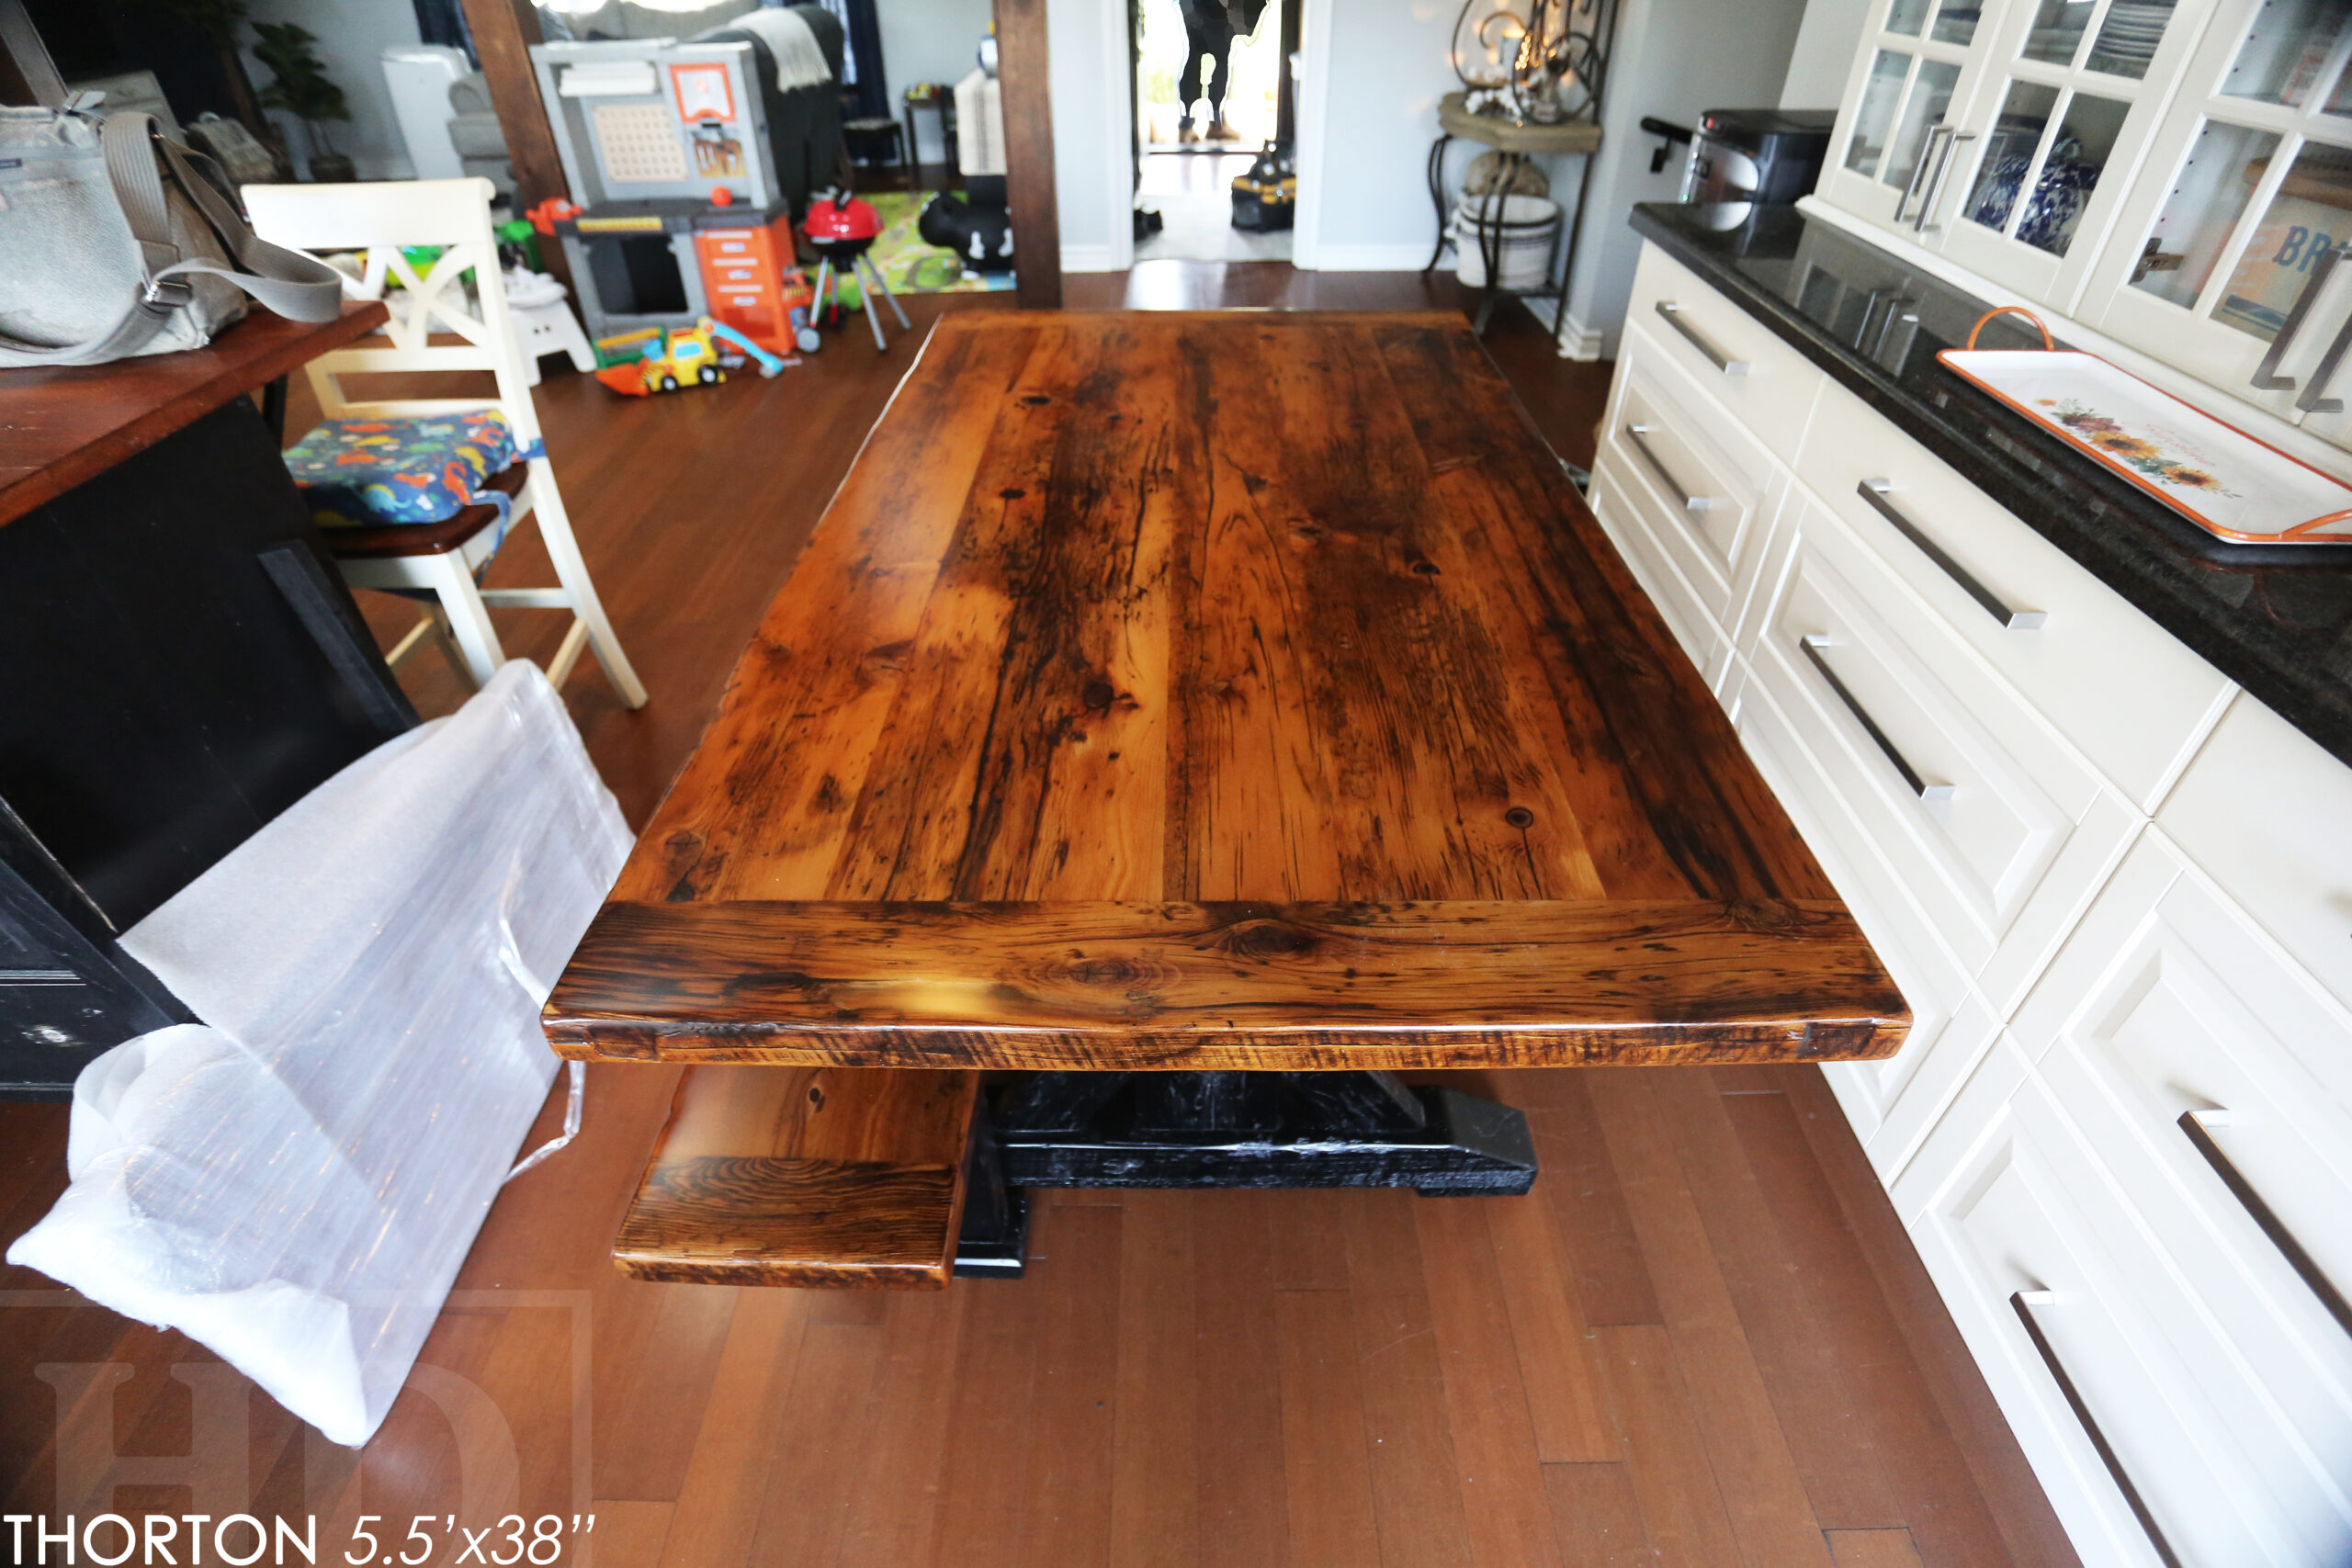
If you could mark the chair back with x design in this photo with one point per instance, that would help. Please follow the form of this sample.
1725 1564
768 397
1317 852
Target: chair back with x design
449 313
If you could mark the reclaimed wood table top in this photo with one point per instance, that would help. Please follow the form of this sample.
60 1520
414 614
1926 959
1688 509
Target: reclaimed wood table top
1216 691
62 424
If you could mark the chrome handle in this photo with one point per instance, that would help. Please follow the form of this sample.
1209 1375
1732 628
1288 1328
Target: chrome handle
1919 223
2310 400
1935 133
2265 376
2199 1126
1694 503
2023 1302
1919 786
1875 492
1700 341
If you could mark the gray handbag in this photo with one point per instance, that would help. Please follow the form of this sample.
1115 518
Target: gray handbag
116 240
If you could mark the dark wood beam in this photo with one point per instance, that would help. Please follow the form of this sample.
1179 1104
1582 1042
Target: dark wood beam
503 32
1021 66
24 59
1286 85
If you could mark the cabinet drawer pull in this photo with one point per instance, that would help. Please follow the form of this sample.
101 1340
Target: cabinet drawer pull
2199 1126
1919 223
2265 374
1918 786
2310 400
2023 1302
1700 341
1936 134
1875 492
1693 503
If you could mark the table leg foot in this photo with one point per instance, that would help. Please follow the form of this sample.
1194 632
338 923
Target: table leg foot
994 1241
1262 1130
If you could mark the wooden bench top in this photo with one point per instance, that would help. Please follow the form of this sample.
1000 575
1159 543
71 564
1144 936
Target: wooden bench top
1158 614
771 1176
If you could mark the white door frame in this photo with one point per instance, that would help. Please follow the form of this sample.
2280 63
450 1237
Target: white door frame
1120 243
1315 51
1314 82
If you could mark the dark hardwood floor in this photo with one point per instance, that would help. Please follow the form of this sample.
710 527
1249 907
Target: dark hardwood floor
1702 1340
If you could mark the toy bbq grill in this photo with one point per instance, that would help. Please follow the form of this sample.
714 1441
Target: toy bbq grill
843 229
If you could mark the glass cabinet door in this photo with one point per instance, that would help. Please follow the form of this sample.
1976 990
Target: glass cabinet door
2049 152
2224 261
1908 82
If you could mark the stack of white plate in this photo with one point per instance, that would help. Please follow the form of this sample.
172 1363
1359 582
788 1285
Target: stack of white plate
2128 39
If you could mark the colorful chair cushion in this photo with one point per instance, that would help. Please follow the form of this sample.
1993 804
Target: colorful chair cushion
422 468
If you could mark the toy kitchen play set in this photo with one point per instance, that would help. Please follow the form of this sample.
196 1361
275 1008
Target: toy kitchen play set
679 214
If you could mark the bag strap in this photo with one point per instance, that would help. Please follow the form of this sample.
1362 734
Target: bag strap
298 287
301 287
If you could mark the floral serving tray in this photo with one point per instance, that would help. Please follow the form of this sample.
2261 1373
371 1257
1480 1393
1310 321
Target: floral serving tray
2218 477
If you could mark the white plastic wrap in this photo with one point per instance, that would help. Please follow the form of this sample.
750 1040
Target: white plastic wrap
295 1182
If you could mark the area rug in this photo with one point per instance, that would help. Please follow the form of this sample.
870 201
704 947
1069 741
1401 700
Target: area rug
912 265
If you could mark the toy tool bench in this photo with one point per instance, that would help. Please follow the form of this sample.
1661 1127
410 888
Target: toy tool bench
676 212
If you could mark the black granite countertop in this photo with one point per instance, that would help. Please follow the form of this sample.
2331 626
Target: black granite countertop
2276 619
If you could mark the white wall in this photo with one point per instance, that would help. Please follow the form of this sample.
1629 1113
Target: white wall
1674 59
1827 40
1093 110
929 40
352 39
1376 69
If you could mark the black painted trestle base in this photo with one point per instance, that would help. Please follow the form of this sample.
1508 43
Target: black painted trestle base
1254 1129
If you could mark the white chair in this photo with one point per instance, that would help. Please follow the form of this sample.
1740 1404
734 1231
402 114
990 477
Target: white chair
443 559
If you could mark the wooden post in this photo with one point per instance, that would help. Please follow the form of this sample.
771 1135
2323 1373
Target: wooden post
1285 84
1029 153
25 68
503 32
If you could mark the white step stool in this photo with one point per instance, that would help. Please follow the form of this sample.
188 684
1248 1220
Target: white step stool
546 324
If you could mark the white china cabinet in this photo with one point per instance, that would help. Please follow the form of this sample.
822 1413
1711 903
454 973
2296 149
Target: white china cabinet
2175 174
2005 137
2224 263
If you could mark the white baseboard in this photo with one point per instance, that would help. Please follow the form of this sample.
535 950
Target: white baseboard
1088 259
1578 341
1411 257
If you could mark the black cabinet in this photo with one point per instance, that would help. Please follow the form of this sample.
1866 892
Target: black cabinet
178 663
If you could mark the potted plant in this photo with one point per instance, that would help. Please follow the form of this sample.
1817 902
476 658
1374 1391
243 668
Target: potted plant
304 90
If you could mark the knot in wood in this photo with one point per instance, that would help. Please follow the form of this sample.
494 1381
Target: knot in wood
1268 939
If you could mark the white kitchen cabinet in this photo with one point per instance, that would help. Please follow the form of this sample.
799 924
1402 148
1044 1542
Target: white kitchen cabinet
1890 148
2175 174
2001 832
2150 1438
2051 144
2268 815
2123 691
2120 1129
1892 1103
2007 136
2206 1078
1766 385
2224 259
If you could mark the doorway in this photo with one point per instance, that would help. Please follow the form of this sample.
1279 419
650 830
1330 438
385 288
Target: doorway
1188 155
